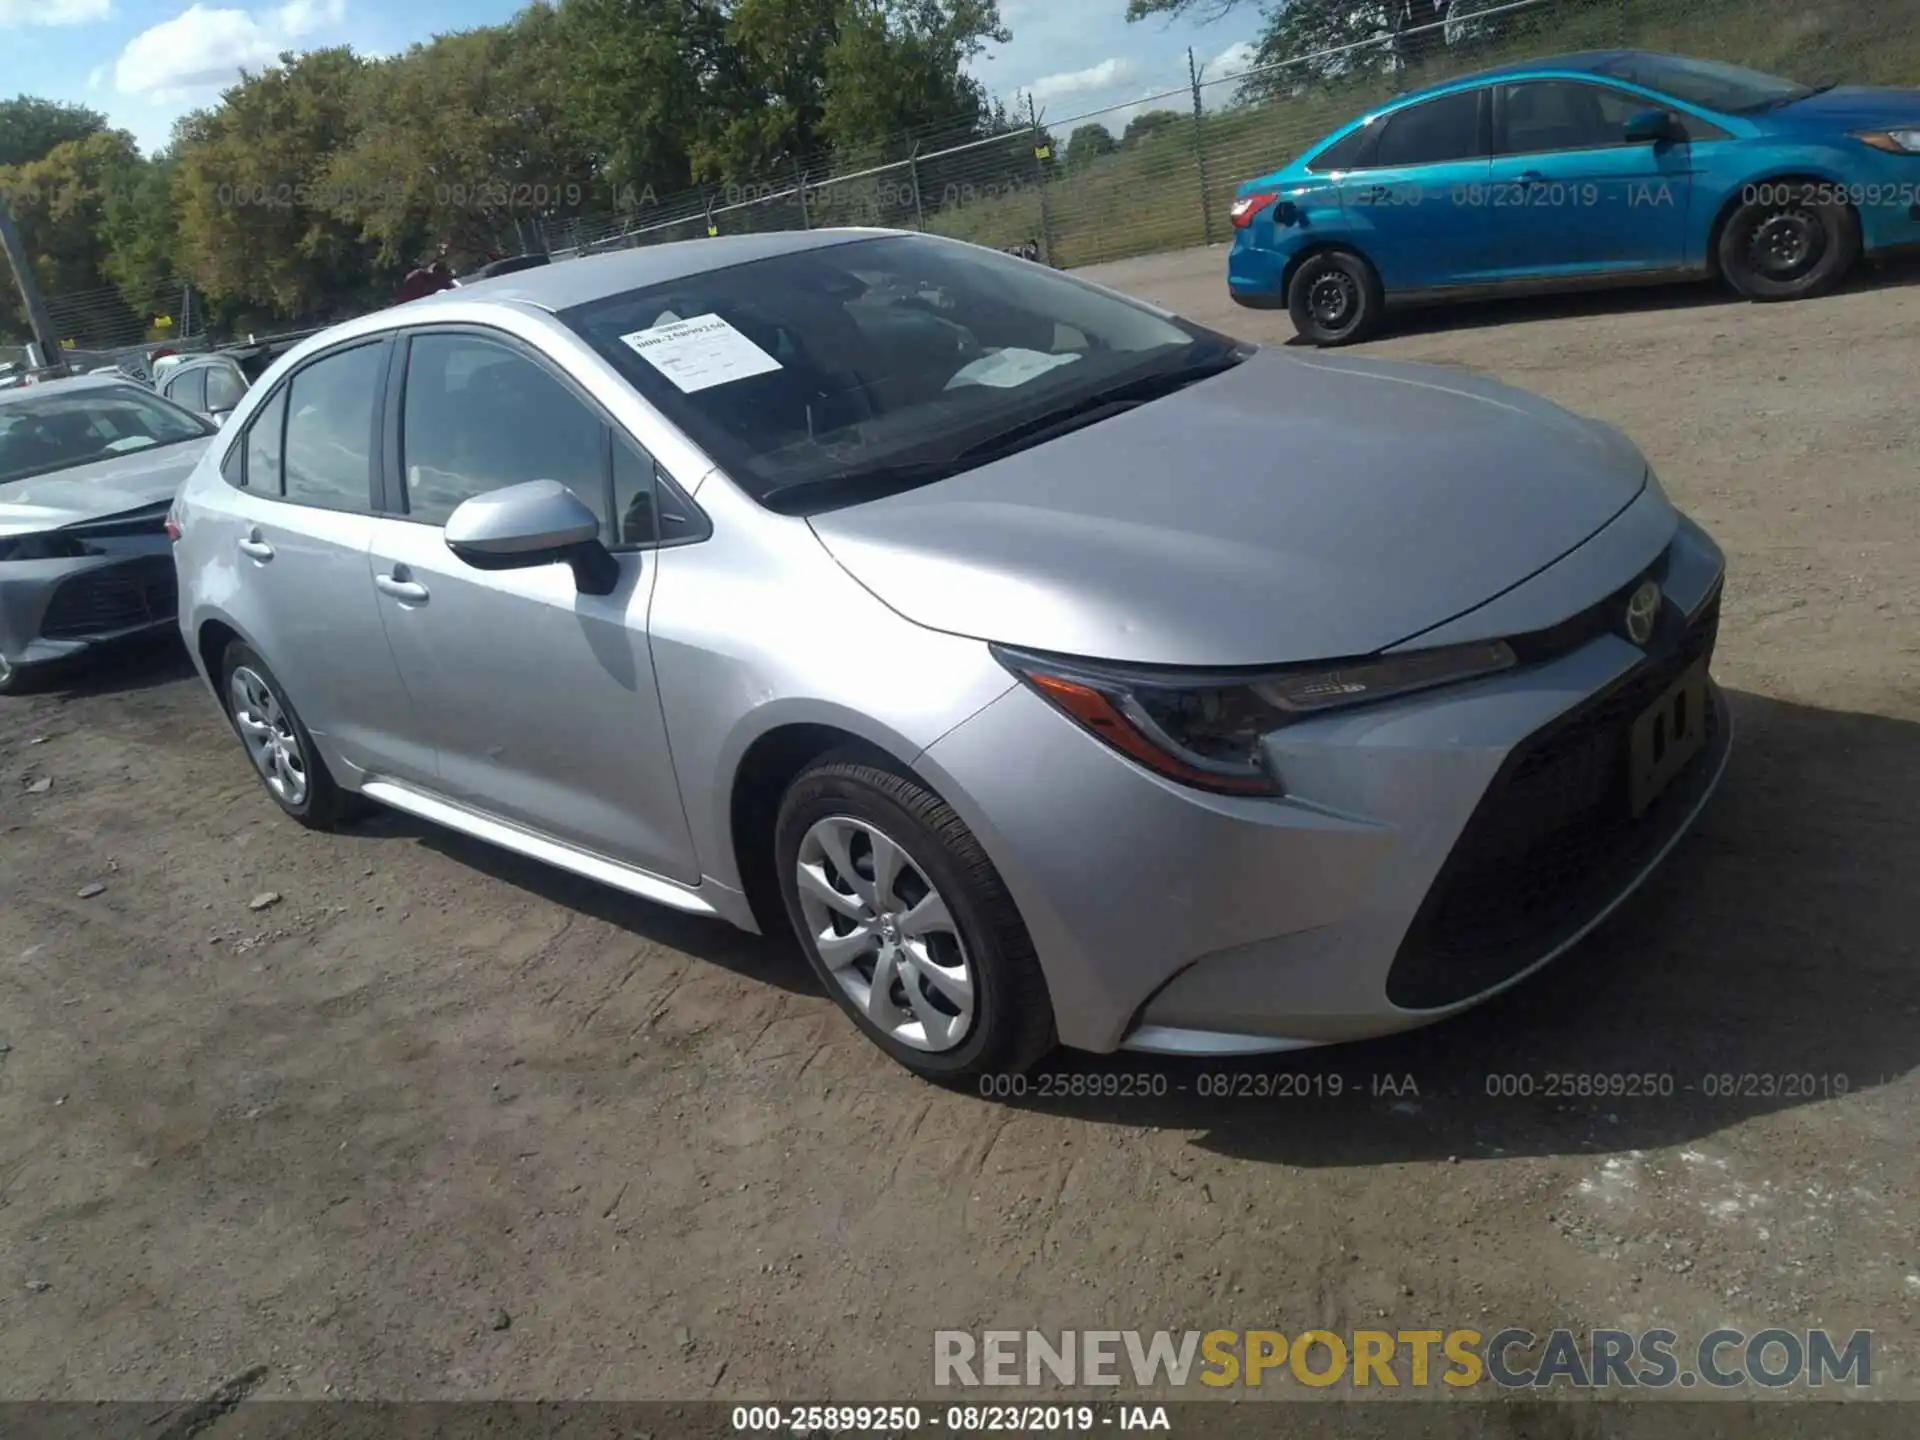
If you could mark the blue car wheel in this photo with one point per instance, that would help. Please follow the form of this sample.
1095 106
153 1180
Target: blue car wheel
1334 298
1788 243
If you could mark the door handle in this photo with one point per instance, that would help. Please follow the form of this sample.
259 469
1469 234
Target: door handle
410 591
1530 177
254 548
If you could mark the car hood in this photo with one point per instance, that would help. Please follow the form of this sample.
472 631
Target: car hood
1846 107
93 492
1294 508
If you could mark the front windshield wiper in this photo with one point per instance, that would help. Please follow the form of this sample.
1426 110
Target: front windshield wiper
1096 406
868 482
1780 102
871 482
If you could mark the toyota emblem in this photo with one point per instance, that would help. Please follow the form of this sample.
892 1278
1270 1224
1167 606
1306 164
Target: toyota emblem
1643 608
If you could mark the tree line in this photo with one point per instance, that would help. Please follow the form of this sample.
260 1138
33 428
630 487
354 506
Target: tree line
312 185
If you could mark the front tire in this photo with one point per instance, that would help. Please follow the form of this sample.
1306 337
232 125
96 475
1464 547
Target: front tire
907 923
1335 298
1787 243
276 741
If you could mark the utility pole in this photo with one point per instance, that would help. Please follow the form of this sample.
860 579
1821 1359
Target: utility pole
43 332
1200 147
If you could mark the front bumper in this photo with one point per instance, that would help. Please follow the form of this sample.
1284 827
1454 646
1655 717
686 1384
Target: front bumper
1428 854
53 609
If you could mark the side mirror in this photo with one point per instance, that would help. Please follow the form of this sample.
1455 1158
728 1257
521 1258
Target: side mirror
1652 127
539 523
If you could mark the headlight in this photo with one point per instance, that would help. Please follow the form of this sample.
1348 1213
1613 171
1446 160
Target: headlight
1205 731
1894 142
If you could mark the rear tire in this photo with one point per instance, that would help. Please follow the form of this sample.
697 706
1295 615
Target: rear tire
1335 298
271 732
1788 243
925 949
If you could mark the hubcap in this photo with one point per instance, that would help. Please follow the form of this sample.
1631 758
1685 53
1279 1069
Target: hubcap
1785 243
885 934
269 736
1332 297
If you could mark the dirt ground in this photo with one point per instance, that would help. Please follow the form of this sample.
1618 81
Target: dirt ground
439 1123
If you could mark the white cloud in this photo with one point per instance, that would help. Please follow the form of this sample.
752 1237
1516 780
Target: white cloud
1232 61
1105 75
303 17
204 49
96 77
52 12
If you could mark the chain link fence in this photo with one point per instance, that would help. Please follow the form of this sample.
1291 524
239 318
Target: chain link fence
1159 171
96 328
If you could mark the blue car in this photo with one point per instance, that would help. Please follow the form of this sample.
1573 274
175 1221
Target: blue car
1575 172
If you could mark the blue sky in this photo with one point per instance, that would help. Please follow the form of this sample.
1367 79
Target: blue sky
144 62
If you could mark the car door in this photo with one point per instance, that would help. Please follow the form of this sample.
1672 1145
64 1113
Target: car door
1401 199
1574 194
540 700
299 523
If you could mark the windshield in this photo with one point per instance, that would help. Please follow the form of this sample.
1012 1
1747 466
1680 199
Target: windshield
1709 83
56 429
898 356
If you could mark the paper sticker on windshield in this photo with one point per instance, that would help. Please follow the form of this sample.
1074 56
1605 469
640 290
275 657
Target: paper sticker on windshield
1005 369
700 353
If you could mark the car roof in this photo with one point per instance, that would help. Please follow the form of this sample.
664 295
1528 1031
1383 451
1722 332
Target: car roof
567 283
1577 62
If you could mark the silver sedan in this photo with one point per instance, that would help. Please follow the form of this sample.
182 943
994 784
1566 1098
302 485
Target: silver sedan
1057 670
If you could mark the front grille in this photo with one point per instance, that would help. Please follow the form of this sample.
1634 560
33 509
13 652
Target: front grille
1553 840
140 591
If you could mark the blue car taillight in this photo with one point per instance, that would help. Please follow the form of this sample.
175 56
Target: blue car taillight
1248 206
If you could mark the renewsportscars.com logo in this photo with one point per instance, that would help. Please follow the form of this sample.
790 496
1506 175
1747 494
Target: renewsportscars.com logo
1511 1358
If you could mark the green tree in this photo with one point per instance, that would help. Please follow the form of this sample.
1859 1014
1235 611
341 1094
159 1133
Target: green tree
1346 40
1147 124
465 139
30 127
138 228
1088 143
896 77
642 79
256 226
59 203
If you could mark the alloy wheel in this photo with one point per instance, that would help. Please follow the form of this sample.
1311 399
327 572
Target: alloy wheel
885 934
267 731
